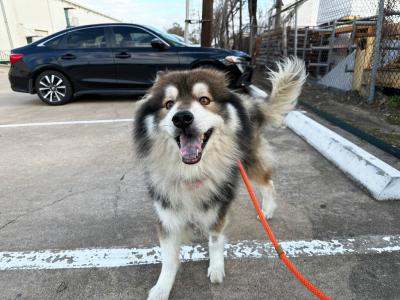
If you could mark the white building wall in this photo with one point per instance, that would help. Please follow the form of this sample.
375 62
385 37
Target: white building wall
38 18
364 8
330 10
307 13
316 12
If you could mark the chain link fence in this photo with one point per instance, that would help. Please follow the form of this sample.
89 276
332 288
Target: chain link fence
349 45
388 74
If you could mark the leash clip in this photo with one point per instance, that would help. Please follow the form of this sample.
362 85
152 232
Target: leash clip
279 250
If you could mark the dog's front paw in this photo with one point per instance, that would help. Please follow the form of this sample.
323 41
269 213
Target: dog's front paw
267 214
216 274
269 211
158 293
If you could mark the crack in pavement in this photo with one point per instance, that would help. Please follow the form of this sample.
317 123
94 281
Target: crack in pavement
118 192
45 206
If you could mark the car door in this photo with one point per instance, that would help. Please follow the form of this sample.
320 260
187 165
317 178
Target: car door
136 61
87 59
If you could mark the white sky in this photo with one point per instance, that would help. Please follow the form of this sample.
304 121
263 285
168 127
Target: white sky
158 13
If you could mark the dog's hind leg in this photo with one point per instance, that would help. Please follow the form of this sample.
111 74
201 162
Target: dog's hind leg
170 243
216 269
268 203
261 178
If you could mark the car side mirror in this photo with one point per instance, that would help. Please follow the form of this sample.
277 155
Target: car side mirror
158 44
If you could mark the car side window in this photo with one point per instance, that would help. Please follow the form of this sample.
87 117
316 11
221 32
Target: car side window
54 43
131 37
86 39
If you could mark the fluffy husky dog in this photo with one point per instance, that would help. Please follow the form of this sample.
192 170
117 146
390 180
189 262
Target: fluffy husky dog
190 130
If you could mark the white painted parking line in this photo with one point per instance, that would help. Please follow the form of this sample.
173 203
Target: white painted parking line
64 123
120 257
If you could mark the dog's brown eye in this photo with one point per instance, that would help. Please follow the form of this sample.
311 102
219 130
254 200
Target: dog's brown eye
169 104
204 101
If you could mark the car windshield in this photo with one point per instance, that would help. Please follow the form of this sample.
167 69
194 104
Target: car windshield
171 39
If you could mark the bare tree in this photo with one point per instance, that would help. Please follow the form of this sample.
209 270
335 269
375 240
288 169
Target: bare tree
225 34
235 7
217 16
262 19
234 38
222 29
176 29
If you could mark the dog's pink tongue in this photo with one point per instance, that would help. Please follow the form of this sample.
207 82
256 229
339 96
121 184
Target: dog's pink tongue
190 148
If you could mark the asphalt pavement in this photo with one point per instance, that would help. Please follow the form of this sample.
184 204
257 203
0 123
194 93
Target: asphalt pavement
76 186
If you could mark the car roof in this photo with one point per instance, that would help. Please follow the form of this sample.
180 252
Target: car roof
61 32
94 25
102 24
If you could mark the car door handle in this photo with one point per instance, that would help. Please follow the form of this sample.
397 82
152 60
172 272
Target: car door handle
68 56
123 55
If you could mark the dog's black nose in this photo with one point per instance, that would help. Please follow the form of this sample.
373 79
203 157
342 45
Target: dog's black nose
183 119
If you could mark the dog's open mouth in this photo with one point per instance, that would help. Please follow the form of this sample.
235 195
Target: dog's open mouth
191 148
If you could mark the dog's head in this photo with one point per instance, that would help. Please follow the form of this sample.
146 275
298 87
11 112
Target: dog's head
190 109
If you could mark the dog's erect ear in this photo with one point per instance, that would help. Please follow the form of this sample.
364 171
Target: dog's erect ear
159 74
218 77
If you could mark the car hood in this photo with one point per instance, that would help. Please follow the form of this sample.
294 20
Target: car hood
239 53
224 52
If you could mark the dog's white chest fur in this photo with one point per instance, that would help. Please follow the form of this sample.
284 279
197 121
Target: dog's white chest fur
188 205
186 216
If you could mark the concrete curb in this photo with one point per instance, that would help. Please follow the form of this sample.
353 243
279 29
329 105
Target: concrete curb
256 92
379 178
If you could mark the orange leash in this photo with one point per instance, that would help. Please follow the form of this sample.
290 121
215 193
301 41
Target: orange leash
275 242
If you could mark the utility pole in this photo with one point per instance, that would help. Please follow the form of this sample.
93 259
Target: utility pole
278 7
295 31
240 25
187 21
7 25
206 23
253 24
251 28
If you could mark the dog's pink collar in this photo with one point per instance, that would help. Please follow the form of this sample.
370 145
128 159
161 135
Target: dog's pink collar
195 184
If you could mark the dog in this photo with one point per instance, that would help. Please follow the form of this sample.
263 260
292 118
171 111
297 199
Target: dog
190 130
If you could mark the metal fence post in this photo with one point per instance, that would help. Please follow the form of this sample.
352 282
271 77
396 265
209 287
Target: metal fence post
377 50
186 32
295 31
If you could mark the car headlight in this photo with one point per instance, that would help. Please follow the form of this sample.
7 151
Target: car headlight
233 59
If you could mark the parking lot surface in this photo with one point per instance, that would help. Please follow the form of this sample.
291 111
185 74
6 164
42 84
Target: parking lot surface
77 186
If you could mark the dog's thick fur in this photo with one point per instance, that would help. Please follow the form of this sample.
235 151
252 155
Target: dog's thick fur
193 186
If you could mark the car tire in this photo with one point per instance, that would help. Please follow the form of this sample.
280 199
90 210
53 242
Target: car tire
53 88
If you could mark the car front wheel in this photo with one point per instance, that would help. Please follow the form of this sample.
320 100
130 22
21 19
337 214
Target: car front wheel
53 88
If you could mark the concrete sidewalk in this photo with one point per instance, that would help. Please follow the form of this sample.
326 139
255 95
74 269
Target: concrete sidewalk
77 186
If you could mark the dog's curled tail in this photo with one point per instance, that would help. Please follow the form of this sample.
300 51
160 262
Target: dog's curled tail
286 87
